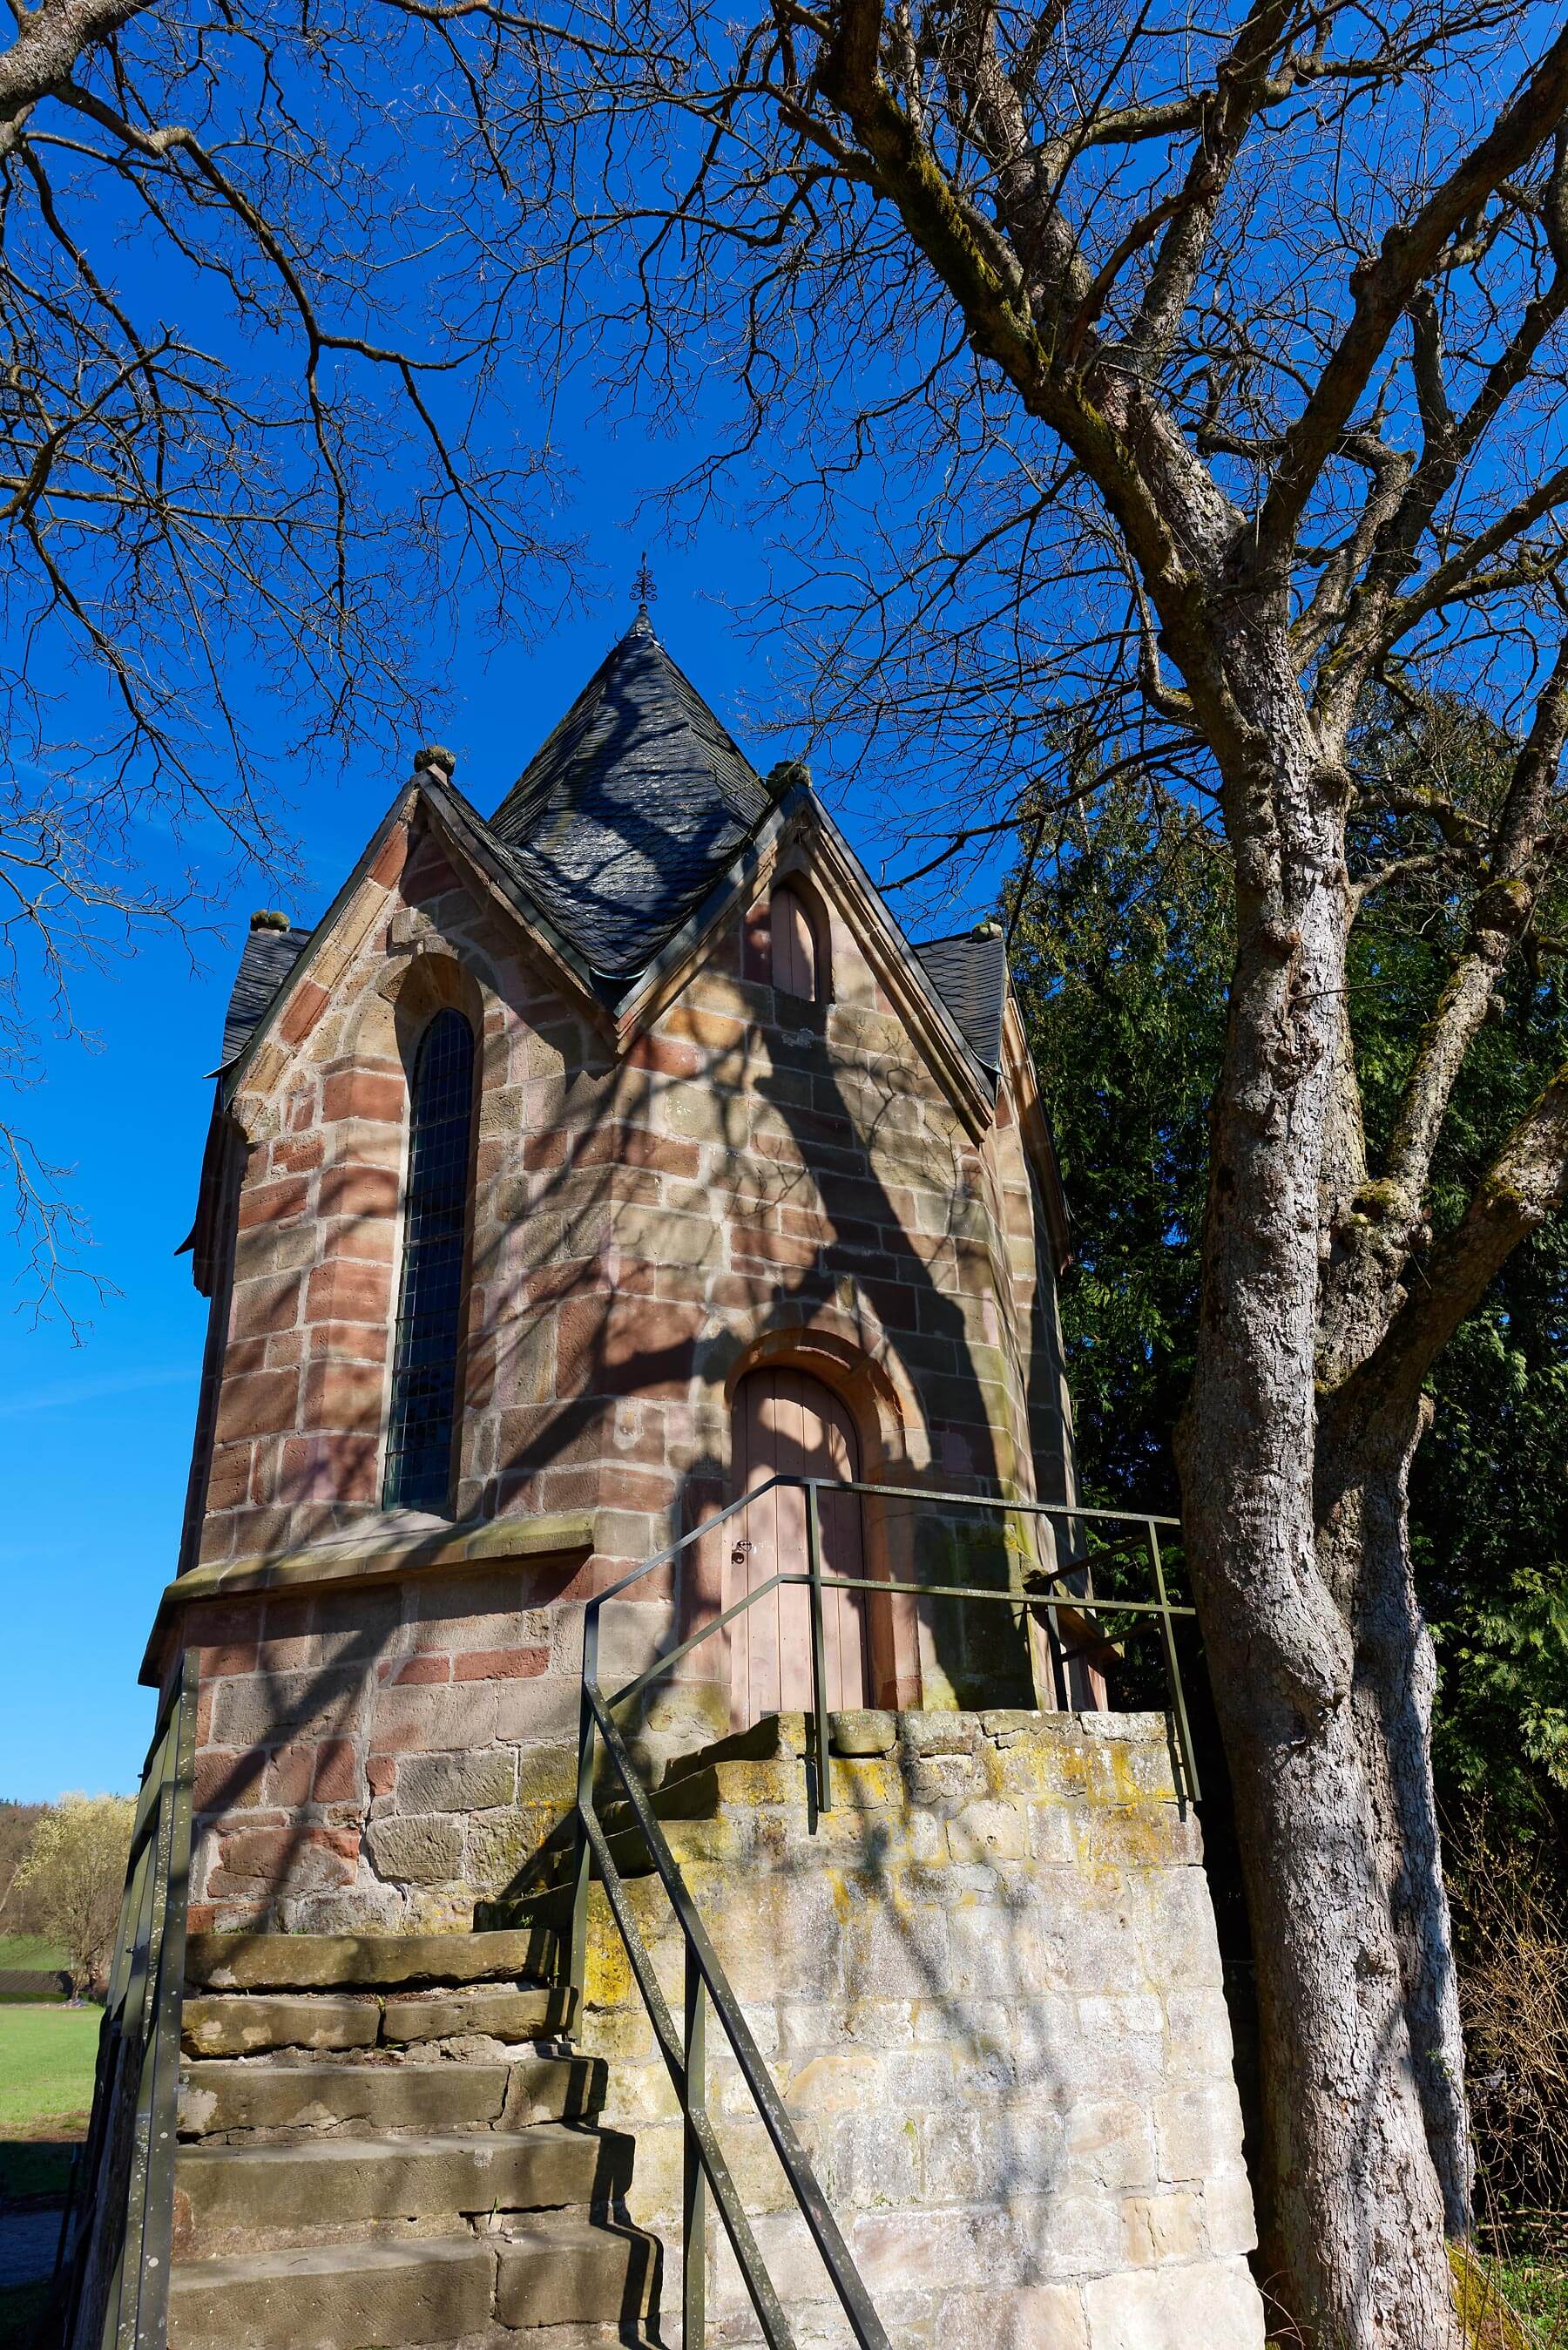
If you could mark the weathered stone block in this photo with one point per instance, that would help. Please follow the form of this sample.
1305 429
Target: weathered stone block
1164 2309
863 1732
1198 2131
416 1851
456 1783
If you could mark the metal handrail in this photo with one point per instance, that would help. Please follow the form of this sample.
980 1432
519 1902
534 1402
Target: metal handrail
685 2060
705 1981
117 2232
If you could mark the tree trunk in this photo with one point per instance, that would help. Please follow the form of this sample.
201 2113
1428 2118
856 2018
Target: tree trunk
1364 1545
1350 2211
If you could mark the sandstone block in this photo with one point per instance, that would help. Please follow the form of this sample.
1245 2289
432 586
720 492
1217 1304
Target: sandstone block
496 2010
1198 2131
335 2297
258 1709
863 1732
257 1403
498 1843
1212 2302
224 2026
1110 2142
547 1772
1229 2221
425 2177
424 1720
989 1831
559 2272
543 1707
222 2097
1156 2228
416 1851
1037 2318
457 1783
941 1779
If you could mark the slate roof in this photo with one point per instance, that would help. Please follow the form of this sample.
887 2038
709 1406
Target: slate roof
268 958
634 807
970 974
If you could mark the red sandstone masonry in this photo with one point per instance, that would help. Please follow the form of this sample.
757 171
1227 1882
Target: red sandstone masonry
636 1224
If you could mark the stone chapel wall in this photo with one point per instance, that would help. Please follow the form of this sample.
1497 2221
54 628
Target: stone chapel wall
754 1177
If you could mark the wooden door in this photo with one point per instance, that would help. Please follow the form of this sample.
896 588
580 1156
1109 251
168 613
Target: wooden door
788 1424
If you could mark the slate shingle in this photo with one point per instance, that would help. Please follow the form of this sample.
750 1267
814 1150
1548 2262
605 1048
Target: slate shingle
970 974
268 958
632 809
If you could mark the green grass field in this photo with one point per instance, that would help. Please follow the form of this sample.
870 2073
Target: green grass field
47 2056
46 2066
31 1951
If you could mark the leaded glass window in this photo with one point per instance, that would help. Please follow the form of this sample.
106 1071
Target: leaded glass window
429 1300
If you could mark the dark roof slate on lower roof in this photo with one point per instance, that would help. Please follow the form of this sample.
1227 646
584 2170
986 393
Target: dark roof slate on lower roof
268 958
970 974
632 809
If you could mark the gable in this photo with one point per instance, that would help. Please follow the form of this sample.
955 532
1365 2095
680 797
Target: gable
636 803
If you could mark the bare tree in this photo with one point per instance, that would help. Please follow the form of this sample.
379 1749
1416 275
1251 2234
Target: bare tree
1158 382
255 444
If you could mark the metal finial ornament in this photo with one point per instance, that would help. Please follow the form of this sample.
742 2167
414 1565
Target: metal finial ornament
644 586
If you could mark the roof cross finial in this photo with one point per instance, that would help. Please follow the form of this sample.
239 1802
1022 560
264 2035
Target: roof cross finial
644 586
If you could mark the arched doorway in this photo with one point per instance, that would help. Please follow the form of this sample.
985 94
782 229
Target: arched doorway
788 1424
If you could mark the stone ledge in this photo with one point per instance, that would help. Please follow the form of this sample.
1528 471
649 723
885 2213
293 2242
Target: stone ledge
296 1962
499 1542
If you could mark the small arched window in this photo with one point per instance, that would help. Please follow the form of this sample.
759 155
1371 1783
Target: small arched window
429 1298
797 961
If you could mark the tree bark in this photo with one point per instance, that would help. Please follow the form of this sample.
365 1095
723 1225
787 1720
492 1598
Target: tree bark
1364 1545
1351 2208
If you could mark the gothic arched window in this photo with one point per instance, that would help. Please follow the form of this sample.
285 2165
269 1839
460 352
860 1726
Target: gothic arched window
429 1298
797 958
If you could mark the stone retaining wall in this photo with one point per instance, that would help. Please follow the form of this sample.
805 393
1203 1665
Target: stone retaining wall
988 1987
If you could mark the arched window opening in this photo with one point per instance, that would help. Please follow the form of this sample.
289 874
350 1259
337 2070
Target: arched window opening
430 1299
797 963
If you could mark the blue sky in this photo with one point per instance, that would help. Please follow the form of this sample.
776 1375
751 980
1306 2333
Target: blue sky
95 1437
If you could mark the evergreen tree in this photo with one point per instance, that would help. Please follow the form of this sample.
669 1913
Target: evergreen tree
1122 948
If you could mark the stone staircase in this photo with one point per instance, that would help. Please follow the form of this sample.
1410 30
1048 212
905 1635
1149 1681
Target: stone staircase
391 2140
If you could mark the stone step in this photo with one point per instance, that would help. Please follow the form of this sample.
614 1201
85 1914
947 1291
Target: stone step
499 2011
252 2024
777 1738
335 2297
220 2096
561 2272
234 2198
693 1797
358 1961
233 2024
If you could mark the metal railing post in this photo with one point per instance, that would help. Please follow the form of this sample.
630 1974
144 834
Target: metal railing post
583 1859
1172 1668
818 1650
695 2188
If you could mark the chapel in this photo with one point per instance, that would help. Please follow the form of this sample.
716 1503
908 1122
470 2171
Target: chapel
638 1845
586 1165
